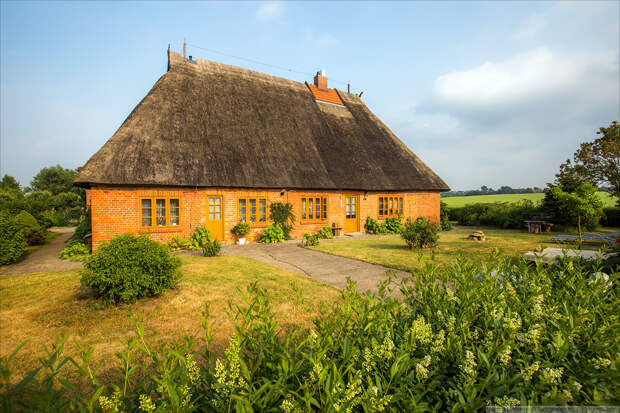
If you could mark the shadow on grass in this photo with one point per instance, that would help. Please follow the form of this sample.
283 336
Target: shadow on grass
388 247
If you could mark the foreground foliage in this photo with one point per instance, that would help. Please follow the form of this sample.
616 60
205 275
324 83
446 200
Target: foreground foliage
459 339
129 267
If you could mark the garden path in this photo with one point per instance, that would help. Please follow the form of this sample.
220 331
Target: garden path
46 258
328 268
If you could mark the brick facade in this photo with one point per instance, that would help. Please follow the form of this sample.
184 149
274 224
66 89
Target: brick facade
116 210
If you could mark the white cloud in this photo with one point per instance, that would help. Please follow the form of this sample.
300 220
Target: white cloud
539 73
270 10
534 25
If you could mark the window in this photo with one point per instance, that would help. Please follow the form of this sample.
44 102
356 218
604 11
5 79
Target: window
390 206
313 209
252 210
160 212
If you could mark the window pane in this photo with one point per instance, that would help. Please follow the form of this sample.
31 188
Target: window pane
216 201
310 209
400 208
303 208
174 212
242 210
160 212
252 214
262 210
324 216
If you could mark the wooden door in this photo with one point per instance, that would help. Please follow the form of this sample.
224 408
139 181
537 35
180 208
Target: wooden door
215 221
351 221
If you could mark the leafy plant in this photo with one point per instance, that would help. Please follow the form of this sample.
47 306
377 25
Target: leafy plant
241 229
393 225
311 240
326 232
178 243
201 237
282 214
372 226
12 240
128 267
211 248
75 251
84 227
272 234
420 233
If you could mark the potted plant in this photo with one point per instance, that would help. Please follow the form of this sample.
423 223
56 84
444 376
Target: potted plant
240 231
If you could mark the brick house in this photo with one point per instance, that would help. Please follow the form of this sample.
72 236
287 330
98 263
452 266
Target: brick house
213 145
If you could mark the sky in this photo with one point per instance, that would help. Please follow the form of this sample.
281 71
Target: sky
485 93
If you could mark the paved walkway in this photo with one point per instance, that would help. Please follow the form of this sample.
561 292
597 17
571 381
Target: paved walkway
330 269
46 258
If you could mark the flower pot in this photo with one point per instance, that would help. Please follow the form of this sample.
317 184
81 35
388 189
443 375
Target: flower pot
241 241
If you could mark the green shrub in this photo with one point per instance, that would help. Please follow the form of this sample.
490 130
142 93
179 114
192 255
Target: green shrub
75 251
420 233
241 229
282 214
456 339
35 235
272 234
372 226
612 217
326 232
50 218
500 214
84 227
444 213
311 240
129 267
394 225
12 240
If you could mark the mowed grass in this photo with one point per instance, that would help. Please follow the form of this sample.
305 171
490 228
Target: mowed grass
39 307
391 251
459 201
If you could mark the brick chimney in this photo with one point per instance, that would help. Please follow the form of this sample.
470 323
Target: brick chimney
320 80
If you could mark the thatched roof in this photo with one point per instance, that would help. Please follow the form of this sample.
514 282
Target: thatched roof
214 125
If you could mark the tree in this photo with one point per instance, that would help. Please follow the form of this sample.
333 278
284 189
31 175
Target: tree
54 179
597 162
581 205
10 183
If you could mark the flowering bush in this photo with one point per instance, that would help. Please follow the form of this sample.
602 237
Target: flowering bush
448 339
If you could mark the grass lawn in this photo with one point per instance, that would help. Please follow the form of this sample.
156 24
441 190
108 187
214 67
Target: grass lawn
459 201
39 307
391 251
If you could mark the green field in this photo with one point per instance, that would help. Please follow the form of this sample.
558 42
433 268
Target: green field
459 201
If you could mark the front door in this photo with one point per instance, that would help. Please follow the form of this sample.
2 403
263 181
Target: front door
215 222
351 221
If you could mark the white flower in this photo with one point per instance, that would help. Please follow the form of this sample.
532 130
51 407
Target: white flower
468 367
421 368
528 372
506 401
504 356
552 376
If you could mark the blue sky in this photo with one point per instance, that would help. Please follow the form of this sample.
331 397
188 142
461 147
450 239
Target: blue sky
486 93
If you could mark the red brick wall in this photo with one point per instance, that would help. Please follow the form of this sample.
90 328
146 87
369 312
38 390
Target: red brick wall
116 211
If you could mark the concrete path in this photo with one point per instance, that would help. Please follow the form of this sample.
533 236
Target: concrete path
327 268
46 258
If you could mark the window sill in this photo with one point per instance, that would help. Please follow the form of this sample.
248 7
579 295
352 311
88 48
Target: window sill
309 222
147 230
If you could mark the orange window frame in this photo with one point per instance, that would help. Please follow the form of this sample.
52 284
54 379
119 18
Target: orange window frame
247 210
153 208
304 208
391 206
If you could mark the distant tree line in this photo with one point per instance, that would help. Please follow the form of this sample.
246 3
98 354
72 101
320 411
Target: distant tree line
485 190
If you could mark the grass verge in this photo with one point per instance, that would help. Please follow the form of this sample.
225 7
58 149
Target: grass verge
391 251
